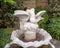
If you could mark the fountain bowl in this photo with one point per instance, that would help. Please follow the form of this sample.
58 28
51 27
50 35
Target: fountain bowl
15 37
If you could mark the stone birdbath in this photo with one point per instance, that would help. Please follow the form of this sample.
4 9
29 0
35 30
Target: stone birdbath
29 34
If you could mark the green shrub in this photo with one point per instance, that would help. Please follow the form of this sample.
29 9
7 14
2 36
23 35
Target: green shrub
54 7
7 8
5 36
54 27
37 9
42 23
49 23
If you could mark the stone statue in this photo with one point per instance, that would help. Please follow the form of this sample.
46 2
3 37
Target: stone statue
29 33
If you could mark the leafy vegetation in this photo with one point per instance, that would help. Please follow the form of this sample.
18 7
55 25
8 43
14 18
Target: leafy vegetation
42 23
54 7
54 27
54 18
10 1
50 23
6 13
37 9
5 36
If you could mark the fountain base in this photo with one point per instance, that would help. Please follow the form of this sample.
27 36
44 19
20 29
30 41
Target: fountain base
16 46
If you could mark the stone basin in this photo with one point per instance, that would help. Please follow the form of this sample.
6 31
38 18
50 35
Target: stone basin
17 39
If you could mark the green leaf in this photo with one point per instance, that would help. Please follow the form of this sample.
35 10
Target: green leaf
10 1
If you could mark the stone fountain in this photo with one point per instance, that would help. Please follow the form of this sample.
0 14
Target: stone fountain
29 34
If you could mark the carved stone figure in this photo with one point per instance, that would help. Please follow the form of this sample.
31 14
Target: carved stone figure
29 33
